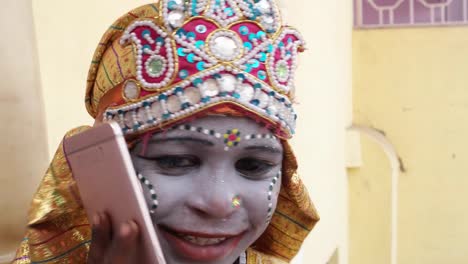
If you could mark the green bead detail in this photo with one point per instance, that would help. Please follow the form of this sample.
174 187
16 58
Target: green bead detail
282 71
156 66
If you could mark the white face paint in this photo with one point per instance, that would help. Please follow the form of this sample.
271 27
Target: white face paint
213 201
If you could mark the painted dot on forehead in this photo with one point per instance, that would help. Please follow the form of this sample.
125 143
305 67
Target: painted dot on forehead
231 138
259 136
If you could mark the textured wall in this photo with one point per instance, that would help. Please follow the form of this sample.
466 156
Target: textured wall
412 84
369 206
23 145
324 97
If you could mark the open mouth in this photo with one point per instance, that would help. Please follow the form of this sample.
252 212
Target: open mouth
201 246
202 241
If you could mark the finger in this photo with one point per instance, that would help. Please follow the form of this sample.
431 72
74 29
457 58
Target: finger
97 244
125 242
133 249
106 224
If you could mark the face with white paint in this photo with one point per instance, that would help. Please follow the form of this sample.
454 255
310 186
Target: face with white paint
213 201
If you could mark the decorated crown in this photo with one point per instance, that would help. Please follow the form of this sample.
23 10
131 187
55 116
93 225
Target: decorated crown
193 55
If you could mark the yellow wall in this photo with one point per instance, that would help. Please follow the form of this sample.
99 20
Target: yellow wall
369 200
413 85
323 94
68 32
23 140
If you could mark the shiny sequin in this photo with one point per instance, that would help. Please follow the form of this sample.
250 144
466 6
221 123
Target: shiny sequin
183 74
282 71
263 6
262 75
157 110
199 44
268 21
160 40
176 18
201 29
255 63
193 95
228 11
246 92
248 68
156 66
173 104
210 88
172 5
273 107
244 30
181 32
224 46
261 34
128 120
147 49
131 90
191 35
181 53
263 100
227 83
191 58
270 48
142 115
146 32
201 65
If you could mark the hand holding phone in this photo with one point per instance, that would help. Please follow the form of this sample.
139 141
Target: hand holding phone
109 248
108 185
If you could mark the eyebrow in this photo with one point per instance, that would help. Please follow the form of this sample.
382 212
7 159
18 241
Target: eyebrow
199 141
264 148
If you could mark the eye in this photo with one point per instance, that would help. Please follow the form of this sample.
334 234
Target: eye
252 167
174 164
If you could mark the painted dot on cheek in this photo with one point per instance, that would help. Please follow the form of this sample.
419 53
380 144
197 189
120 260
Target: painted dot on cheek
270 190
152 192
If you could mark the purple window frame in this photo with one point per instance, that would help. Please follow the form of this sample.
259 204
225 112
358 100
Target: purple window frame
407 13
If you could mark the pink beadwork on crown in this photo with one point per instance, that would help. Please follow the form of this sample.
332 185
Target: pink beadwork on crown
203 52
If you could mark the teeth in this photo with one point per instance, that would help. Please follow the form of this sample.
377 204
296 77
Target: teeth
202 241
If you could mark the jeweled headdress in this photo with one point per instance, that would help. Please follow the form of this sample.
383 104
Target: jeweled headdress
185 57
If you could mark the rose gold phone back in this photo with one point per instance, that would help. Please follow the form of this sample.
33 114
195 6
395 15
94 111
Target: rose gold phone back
103 170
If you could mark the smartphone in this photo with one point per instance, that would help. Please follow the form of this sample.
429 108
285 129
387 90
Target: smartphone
104 173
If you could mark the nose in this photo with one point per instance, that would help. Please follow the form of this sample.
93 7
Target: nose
213 197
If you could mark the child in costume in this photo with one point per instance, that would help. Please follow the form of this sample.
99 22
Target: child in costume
203 91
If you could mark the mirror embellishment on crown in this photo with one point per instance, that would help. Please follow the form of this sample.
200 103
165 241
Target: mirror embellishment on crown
203 52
